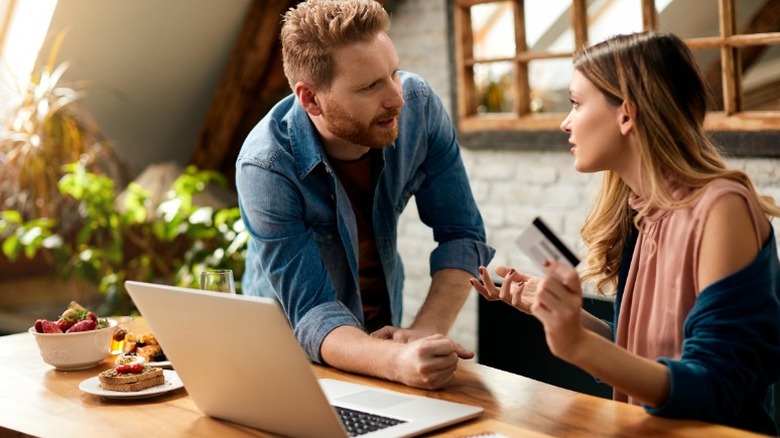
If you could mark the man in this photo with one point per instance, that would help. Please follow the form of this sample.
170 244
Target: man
322 181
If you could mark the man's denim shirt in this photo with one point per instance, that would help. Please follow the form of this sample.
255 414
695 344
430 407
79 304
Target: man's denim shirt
304 245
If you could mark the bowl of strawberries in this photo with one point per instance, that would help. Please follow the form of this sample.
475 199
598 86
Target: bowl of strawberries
77 340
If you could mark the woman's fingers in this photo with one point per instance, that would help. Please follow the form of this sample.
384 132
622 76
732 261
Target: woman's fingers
563 274
485 285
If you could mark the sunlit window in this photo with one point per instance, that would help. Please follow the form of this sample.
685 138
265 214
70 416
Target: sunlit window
25 24
513 57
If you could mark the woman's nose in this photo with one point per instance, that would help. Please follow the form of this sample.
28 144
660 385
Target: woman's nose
566 123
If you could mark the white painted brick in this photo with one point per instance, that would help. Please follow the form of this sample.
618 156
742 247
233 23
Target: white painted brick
763 171
512 193
495 171
536 174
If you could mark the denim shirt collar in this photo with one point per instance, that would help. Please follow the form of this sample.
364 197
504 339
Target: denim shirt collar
306 146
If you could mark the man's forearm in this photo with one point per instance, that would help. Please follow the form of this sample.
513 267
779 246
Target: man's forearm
428 362
349 348
449 290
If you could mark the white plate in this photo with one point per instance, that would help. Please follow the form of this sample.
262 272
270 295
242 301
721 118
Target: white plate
161 364
172 382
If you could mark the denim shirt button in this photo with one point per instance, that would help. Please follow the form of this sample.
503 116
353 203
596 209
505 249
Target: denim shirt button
330 236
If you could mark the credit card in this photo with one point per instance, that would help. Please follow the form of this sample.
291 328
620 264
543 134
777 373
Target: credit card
539 243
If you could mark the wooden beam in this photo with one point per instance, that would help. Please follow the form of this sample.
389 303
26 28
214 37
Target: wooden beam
464 48
579 23
252 82
649 15
522 104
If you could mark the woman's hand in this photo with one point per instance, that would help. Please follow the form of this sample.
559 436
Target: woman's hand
518 290
558 305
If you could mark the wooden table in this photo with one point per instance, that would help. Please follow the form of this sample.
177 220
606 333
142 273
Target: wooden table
37 400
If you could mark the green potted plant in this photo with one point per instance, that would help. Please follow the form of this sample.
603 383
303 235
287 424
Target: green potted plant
48 129
59 206
121 240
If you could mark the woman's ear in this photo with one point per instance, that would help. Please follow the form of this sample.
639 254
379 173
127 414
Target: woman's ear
307 96
627 116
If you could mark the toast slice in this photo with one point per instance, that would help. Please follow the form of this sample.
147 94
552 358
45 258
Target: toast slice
110 380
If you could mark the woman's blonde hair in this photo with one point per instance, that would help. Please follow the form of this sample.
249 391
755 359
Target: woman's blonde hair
312 30
657 74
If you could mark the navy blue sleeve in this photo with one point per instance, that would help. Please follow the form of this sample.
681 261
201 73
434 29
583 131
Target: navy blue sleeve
731 352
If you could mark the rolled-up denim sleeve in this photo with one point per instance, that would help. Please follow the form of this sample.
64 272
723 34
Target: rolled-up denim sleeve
315 325
464 254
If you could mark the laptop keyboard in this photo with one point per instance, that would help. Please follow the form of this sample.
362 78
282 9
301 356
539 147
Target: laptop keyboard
359 423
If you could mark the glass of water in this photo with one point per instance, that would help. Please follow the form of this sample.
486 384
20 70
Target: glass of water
218 280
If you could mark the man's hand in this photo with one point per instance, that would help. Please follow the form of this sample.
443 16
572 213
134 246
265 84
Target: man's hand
429 362
399 334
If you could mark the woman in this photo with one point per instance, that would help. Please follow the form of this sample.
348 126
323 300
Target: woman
684 242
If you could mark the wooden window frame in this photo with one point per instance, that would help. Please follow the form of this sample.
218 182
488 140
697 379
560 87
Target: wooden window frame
741 133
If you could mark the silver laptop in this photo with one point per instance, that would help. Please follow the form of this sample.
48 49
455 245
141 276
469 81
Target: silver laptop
239 361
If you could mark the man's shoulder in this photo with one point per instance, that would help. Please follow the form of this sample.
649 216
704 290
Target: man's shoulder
414 84
284 140
272 131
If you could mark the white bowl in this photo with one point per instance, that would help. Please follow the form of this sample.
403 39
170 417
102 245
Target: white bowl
75 351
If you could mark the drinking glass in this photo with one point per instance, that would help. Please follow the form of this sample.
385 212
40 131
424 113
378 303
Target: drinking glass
218 280
124 325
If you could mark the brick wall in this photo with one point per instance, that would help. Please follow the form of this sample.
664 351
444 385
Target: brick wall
510 187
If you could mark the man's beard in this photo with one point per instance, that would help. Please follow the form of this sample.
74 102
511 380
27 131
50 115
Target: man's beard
340 124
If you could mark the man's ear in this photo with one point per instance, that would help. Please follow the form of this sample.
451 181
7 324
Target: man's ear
307 96
627 115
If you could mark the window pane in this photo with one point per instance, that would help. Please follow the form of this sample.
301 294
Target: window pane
608 18
549 80
761 77
548 26
709 63
689 18
493 27
495 87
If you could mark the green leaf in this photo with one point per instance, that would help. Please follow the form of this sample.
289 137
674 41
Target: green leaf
31 236
11 216
53 241
202 216
11 247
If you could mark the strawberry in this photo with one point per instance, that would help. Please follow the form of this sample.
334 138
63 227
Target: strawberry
133 368
82 326
50 327
64 324
92 316
39 326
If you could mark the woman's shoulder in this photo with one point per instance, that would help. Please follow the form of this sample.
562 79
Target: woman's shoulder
724 200
718 189
721 186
